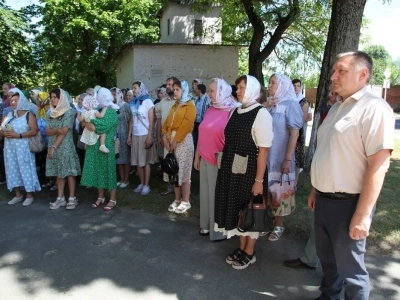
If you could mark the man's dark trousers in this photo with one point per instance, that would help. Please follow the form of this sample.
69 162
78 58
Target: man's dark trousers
342 258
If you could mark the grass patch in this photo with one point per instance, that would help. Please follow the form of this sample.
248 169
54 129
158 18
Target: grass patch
385 231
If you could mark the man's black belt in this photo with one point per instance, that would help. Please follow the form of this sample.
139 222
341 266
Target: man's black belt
338 195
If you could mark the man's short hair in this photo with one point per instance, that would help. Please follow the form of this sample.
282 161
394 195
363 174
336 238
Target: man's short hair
202 88
360 60
294 81
172 78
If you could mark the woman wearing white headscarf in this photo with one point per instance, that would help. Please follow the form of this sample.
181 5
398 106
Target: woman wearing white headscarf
140 135
20 165
62 160
211 142
99 167
287 120
124 158
248 137
177 137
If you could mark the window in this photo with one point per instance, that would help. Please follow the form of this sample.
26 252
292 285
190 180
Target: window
198 28
169 26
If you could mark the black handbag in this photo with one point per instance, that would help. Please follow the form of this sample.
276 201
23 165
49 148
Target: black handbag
170 166
256 217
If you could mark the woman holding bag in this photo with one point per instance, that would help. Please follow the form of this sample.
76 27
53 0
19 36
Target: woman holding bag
248 137
177 137
287 121
211 142
20 165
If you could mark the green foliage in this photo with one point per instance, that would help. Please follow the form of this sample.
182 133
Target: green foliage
79 39
16 60
300 49
382 60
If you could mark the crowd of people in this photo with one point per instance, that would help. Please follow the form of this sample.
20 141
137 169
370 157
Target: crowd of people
242 139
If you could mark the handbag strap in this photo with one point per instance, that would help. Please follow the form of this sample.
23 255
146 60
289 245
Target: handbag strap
281 181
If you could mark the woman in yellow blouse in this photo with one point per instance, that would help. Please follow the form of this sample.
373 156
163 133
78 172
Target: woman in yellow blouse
177 137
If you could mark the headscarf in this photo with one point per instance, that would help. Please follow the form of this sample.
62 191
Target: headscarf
23 103
285 90
105 99
43 97
90 102
62 106
36 92
185 92
252 93
119 96
224 98
142 95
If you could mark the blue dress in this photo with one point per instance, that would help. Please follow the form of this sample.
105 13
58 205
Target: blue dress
19 160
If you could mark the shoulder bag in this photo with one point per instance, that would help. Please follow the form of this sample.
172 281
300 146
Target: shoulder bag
36 143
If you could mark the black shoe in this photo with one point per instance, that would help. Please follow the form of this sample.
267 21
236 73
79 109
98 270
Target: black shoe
297 264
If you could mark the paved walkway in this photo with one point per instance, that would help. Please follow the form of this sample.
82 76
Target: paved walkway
123 254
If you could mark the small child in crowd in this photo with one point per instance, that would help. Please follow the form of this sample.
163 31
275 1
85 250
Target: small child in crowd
89 137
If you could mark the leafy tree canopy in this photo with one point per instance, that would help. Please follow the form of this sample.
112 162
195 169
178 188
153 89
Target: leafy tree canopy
79 39
16 60
382 60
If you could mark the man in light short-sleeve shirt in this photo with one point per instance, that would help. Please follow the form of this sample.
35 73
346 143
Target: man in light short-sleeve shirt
348 169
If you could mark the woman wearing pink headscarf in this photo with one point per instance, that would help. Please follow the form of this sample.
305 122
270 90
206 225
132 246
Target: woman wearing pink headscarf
211 142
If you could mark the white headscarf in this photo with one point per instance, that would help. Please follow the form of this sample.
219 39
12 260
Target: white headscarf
23 102
119 96
185 92
252 93
105 99
90 102
285 90
62 106
223 97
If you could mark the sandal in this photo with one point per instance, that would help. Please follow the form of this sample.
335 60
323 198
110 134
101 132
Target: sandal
47 185
174 205
167 192
183 207
235 255
244 261
60 201
72 203
54 188
98 202
109 207
276 233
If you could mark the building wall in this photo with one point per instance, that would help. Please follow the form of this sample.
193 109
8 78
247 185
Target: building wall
153 64
392 96
182 25
125 70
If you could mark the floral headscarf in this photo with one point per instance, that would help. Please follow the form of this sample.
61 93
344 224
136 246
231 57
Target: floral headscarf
105 99
62 106
252 93
142 95
224 98
185 92
285 90
90 102
44 102
119 96
23 102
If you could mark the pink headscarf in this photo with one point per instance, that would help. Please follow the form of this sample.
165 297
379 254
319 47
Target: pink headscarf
224 98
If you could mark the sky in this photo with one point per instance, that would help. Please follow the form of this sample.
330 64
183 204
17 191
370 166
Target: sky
383 28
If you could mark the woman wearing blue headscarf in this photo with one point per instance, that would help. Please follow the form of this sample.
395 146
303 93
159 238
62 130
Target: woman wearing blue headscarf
140 135
18 127
177 137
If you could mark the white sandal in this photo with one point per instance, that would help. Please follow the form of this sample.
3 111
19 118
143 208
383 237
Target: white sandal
183 207
60 201
72 203
276 233
174 205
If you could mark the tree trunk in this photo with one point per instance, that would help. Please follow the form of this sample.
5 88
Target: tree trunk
343 36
